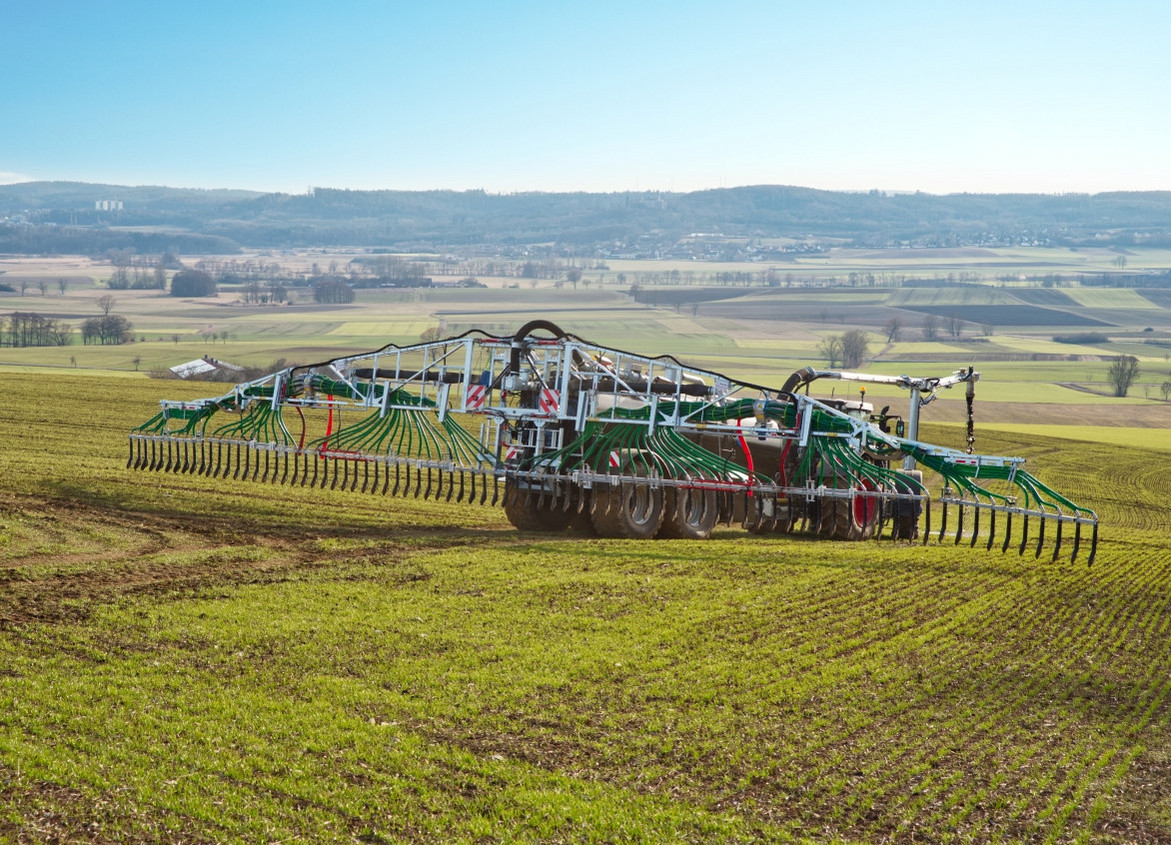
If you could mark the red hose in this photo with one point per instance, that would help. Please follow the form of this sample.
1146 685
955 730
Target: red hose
747 460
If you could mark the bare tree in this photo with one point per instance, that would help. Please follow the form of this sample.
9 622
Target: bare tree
955 325
855 345
106 304
930 327
1122 373
62 285
831 350
894 327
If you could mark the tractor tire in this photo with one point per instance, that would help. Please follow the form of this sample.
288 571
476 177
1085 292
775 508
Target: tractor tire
906 514
633 511
521 508
760 515
689 514
849 519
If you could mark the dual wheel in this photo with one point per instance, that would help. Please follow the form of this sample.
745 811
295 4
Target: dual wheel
641 511
629 510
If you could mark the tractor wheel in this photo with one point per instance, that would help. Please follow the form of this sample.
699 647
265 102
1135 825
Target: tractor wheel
906 514
633 511
690 514
849 519
523 512
760 515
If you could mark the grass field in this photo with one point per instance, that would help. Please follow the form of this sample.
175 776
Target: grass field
183 659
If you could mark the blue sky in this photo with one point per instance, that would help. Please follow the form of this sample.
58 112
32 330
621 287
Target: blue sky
601 96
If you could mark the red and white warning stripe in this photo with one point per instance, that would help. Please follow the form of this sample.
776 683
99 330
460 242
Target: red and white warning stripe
477 394
549 402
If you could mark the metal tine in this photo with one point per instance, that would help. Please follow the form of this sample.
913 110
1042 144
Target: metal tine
1057 542
805 516
170 454
927 525
943 523
419 479
1007 533
959 525
581 499
366 476
305 477
186 463
1077 541
204 448
345 474
227 459
975 526
1093 547
511 491
236 468
328 469
567 500
1041 537
398 469
459 496
426 495
472 493
991 531
285 474
386 477
354 483
267 462
451 485
130 457
495 490
143 460
1024 535
256 460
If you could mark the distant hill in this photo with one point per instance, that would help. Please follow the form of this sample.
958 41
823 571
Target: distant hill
49 216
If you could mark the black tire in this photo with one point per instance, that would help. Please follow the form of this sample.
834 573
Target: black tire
906 514
523 512
849 519
630 510
760 514
690 514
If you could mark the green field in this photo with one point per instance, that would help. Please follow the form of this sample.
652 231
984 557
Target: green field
190 660
186 659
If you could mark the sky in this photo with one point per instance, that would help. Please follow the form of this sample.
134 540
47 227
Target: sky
511 96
